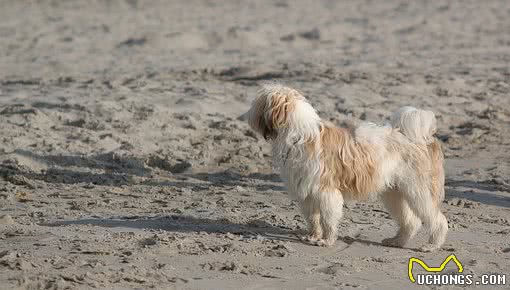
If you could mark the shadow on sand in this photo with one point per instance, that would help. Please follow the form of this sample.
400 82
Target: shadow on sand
487 192
185 224
189 224
111 170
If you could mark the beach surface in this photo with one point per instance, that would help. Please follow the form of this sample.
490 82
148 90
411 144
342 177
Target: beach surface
124 164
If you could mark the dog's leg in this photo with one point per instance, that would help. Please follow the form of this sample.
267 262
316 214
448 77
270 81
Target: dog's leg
312 215
422 205
331 209
408 222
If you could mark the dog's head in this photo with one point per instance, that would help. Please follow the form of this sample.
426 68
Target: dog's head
272 109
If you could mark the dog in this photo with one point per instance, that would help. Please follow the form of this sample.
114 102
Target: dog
323 165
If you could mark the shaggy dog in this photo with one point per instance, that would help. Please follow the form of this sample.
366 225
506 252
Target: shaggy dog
324 165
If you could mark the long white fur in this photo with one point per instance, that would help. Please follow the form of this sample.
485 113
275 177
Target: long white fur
417 125
405 191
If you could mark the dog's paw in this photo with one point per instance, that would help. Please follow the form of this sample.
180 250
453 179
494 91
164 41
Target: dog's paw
307 238
324 243
393 242
429 248
310 238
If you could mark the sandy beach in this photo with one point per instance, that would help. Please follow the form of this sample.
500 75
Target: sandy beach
124 164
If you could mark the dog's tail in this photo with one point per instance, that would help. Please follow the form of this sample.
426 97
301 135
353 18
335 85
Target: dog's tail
419 126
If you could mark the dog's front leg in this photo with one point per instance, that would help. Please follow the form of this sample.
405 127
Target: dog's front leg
311 211
331 211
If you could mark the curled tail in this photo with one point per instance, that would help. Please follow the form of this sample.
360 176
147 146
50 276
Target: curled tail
419 127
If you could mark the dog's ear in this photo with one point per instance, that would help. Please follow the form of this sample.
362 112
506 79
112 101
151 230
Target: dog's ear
257 116
270 112
281 107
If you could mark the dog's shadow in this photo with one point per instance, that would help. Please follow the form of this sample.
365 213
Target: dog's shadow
351 240
185 224
188 224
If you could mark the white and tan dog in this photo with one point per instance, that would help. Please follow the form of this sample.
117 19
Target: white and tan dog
324 165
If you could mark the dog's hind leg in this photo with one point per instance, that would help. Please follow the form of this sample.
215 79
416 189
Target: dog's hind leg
331 210
311 211
408 222
422 204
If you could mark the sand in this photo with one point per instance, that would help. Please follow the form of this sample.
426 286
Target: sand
123 164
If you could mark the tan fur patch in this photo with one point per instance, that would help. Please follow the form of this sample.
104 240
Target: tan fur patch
281 107
346 165
437 160
271 111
